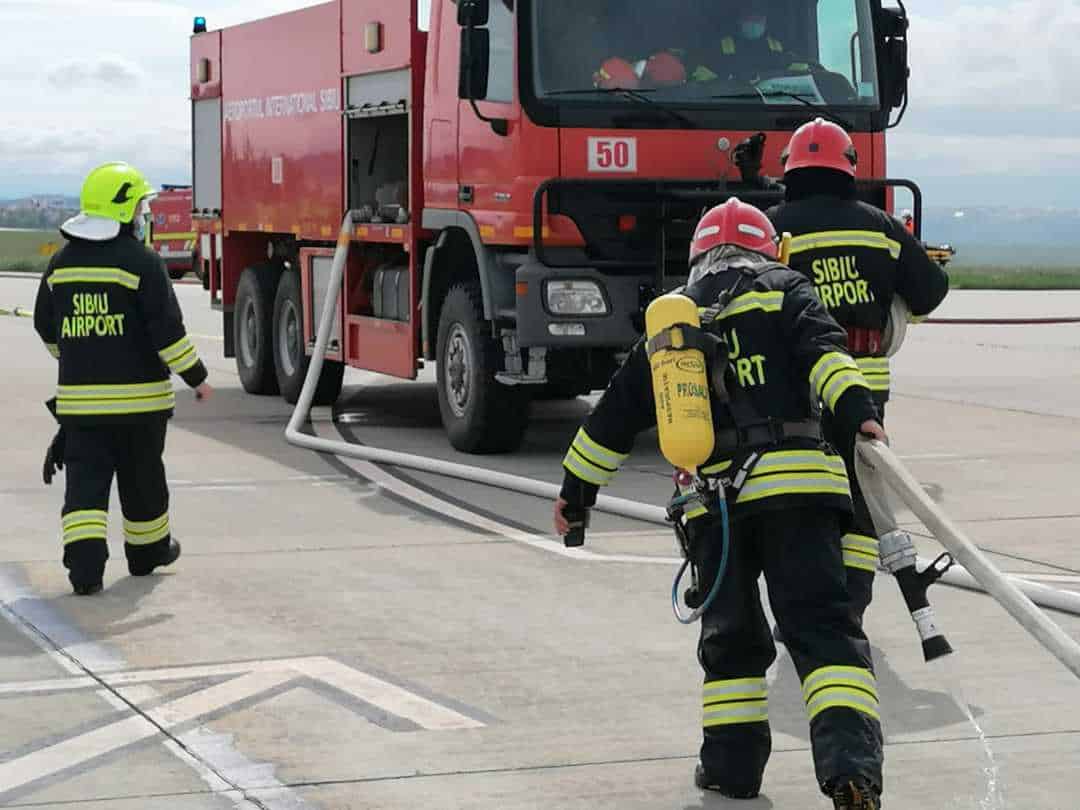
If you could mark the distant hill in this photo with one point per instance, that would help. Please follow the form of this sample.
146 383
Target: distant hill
1006 236
42 211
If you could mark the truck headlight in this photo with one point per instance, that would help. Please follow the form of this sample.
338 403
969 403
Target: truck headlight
575 298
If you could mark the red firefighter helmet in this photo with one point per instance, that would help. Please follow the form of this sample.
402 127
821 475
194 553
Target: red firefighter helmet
616 72
820 144
665 68
734 223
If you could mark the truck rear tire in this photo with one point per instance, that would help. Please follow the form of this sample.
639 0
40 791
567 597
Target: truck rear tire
291 361
201 270
254 318
480 414
177 273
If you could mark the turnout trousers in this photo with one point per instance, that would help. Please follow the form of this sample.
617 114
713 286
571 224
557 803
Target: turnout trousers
92 456
860 542
799 551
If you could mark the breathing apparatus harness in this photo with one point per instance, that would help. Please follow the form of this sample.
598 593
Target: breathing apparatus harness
699 501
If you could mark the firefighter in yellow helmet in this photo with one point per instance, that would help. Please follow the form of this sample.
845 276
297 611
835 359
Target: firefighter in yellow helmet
106 310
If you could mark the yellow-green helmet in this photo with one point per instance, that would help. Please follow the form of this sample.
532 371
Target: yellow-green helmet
111 196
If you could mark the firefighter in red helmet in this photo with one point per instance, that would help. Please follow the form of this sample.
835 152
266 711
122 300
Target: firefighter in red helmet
859 259
787 495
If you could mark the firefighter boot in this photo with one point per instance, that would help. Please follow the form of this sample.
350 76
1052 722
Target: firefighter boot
147 559
85 561
855 796
704 781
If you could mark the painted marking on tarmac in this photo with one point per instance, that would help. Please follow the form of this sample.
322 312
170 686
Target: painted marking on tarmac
364 687
211 755
246 682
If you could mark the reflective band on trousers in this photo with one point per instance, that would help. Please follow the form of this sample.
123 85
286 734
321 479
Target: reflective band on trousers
875 370
85 524
591 461
741 700
142 533
860 552
841 687
54 350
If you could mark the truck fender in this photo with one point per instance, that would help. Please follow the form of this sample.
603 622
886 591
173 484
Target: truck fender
495 287
439 219
427 317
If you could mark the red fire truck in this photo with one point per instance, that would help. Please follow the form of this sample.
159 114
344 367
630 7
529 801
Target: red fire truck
171 233
518 206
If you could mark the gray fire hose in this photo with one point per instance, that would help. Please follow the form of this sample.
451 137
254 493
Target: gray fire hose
1010 591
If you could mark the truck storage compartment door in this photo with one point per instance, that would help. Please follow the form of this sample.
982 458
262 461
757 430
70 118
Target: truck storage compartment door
206 155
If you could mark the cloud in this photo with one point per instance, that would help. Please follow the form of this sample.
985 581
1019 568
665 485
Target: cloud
105 71
65 155
990 154
1011 55
992 94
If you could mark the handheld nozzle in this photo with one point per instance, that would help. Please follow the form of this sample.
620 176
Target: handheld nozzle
899 557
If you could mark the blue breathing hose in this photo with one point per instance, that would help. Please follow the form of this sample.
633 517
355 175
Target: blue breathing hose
725 545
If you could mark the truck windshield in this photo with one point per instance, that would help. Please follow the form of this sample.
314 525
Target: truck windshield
717 53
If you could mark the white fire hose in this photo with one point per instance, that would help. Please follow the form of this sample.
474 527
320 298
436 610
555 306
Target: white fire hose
529 486
874 460
980 575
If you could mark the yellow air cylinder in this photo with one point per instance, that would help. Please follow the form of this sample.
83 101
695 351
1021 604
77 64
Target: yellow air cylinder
680 385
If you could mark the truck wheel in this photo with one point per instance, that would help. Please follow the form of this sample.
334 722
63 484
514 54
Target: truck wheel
176 273
480 414
291 362
253 321
202 271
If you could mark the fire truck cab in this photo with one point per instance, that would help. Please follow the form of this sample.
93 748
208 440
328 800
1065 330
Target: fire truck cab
526 175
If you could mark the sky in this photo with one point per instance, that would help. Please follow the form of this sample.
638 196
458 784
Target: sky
993 119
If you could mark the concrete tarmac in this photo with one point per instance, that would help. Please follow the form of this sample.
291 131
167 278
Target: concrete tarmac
341 635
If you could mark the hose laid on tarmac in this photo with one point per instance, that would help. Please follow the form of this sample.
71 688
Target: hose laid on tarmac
529 486
16 312
1001 321
984 577
884 463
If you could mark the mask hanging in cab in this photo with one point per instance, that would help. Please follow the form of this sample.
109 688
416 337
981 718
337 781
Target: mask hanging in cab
753 28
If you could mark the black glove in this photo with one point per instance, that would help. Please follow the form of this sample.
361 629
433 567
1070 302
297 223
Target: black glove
54 457
578 518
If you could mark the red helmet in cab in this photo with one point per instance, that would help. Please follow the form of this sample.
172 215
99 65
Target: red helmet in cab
820 144
734 223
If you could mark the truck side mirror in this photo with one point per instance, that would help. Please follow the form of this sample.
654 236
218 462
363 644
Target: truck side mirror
475 63
896 57
893 28
472 13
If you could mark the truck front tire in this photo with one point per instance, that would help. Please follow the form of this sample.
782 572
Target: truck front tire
253 319
480 414
291 360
